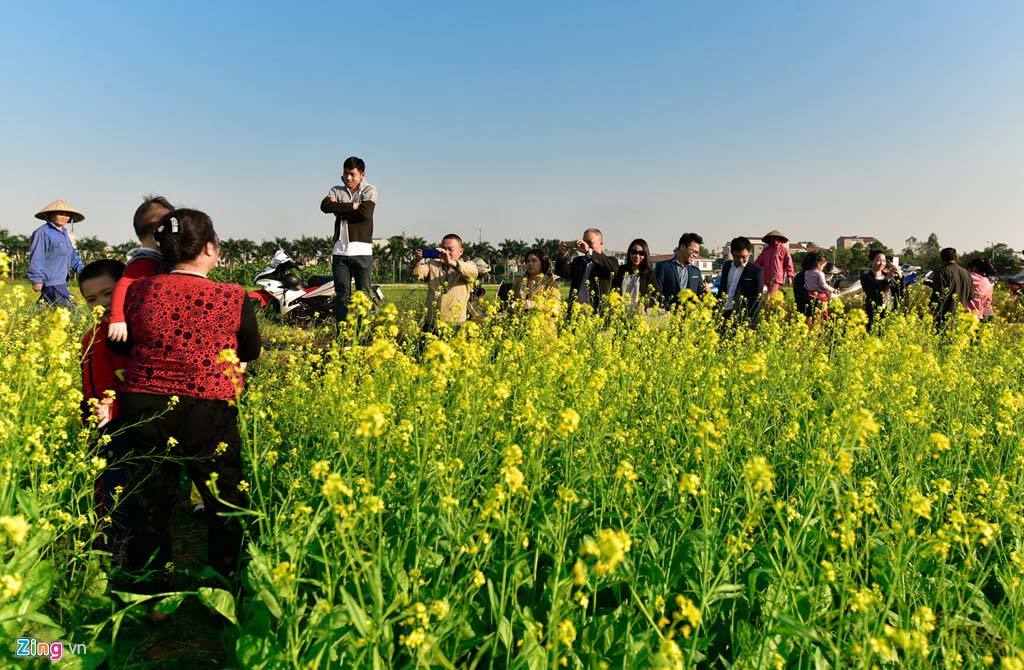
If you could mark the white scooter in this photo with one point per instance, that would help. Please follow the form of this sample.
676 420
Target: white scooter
282 291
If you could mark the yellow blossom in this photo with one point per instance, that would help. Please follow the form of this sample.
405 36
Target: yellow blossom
16 528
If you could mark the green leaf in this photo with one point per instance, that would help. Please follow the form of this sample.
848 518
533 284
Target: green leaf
356 613
271 602
28 503
505 633
170 604
220 600
725 592
254 652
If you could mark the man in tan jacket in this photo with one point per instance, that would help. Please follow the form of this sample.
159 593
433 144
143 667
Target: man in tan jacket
448 280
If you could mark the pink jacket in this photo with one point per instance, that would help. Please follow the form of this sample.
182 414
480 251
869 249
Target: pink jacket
776 263
981 304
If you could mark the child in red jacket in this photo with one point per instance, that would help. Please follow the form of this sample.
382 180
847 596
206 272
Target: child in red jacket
99 364
100 380
144 261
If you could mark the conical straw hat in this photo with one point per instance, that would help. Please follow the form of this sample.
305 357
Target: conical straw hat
776 233
60 207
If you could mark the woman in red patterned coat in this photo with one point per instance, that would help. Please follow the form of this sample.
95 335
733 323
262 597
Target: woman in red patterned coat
177 401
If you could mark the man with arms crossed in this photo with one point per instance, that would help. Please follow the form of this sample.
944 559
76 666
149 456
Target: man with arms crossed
352 204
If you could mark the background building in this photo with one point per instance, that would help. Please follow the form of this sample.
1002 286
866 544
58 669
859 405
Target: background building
850 241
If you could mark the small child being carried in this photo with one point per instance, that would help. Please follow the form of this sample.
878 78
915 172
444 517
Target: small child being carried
144 261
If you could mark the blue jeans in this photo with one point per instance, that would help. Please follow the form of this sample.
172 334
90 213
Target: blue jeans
344 269
56 295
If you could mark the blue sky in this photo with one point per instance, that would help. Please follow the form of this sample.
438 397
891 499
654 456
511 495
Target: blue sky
524 119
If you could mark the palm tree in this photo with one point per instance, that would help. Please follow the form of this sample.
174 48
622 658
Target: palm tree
392 255
246 249
304 249
230 251
482 250
548 246
511 251
17 247
409 251
91 248
121 250
265 249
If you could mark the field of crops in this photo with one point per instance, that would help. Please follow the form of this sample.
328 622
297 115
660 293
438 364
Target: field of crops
620 492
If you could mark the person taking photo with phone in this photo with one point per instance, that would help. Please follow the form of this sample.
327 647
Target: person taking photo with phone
883 287
449 282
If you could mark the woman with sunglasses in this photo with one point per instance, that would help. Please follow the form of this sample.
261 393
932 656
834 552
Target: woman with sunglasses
635 279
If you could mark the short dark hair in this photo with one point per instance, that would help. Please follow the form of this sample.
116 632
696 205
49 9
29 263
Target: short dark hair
983 266
143 229
183 234
104 267
948 255
689 238
741 243
875 252
353 162
452 236
545 264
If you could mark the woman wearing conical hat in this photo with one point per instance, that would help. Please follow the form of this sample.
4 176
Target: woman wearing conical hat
52 255
776 262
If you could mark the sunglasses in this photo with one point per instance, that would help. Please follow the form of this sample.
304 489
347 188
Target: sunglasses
637 252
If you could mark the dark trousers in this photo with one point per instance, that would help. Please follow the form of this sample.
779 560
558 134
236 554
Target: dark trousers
344 269
56 295
140 458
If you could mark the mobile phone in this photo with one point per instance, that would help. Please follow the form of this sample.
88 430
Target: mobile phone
431 253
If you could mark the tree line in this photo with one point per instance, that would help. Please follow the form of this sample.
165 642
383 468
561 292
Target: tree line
393 256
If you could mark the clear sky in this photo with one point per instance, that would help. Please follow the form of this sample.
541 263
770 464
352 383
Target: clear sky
527 119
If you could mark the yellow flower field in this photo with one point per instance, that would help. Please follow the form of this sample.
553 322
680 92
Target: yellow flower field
625 492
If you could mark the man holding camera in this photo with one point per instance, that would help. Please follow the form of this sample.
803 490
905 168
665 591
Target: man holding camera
590 273
449 282
352 204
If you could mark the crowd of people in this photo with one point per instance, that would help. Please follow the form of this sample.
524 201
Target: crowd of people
744 285
162 367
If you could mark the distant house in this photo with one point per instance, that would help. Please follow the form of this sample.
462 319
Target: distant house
850 241
759 245
705 265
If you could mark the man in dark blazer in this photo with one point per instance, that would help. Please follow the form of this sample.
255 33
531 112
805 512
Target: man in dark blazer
590 273
739 290
678 273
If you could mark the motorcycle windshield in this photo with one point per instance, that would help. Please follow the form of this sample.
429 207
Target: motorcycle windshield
280 257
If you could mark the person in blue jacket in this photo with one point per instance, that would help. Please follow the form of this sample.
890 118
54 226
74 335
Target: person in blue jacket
52 254
680 273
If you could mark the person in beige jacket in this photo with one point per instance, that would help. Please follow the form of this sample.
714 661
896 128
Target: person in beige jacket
448 280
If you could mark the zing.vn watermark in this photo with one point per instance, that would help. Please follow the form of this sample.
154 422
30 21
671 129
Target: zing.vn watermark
29 647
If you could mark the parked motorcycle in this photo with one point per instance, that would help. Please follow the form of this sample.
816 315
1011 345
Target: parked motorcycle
284 293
